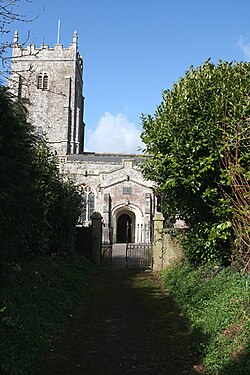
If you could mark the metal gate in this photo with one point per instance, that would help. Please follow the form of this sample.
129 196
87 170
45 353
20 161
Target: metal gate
106 249
136 254
139 253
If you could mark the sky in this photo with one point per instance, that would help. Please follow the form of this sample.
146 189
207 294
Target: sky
133 50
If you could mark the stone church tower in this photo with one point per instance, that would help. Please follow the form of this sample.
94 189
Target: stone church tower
111 184
51 80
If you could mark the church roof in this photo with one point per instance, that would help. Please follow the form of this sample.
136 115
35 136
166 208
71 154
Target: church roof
107 157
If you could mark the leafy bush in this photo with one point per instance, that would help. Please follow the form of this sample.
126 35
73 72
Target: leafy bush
34 299
206 242
197 137
56 205
216 301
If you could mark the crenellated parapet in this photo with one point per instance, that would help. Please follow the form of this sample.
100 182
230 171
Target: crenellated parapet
51 79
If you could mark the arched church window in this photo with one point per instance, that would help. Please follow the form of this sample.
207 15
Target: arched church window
39 131
42 81
19 87
87 204
82 217
91 204
45 81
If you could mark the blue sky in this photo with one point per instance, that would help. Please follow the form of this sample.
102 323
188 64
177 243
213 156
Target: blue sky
133 49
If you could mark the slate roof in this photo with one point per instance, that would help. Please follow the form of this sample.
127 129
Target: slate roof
107 157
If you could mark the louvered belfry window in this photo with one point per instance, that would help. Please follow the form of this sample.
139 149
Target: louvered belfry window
42 81
45 81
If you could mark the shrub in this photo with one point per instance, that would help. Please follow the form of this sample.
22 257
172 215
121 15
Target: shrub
216 301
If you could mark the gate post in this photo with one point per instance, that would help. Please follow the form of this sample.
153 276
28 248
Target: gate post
158 242
97 237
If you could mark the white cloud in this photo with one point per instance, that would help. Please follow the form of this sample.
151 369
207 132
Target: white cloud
244 45
114 133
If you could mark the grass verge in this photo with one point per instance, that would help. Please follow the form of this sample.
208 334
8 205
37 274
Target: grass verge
216 301
34 298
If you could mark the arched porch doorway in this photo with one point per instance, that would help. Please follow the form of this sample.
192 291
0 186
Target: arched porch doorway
125 228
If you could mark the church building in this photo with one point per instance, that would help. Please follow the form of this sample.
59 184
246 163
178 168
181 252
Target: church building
51 79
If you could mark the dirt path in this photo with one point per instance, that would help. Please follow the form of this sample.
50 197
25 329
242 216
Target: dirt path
126 325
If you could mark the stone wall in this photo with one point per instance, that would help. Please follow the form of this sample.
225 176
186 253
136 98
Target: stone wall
166 246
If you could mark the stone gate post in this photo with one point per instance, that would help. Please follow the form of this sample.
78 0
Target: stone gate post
158 242
97 237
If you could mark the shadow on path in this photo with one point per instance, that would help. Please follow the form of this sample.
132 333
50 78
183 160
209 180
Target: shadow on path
125 325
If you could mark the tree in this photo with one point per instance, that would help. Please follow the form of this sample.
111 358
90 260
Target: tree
9 13
203 119
17 145
56 205
39 210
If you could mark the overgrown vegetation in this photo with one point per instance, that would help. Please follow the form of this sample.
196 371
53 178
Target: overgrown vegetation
216 301
199 141
38 209
34 298
40 275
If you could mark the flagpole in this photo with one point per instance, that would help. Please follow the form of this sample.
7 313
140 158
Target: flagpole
58 31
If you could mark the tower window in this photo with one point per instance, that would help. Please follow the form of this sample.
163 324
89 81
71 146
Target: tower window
45 82
42 81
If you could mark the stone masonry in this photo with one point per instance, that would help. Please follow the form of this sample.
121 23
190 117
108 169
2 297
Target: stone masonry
111 184
51 81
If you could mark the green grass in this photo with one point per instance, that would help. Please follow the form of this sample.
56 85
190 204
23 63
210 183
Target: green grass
216 302
35 297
